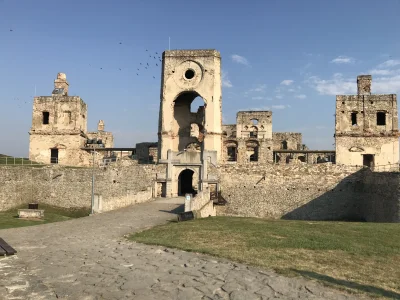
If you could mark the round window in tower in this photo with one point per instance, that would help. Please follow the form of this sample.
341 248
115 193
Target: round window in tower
189 74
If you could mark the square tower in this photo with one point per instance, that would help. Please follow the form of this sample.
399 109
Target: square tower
187 75
59 123
366 127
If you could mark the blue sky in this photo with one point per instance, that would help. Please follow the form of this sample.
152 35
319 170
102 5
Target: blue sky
289 56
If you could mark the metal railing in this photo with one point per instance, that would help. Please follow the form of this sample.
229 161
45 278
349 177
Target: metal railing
17 161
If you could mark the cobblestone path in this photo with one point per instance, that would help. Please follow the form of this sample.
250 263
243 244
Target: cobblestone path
88 258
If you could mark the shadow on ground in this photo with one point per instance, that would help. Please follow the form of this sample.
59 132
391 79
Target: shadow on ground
348 284
176 210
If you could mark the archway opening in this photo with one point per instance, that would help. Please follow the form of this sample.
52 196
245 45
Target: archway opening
189 109
185 182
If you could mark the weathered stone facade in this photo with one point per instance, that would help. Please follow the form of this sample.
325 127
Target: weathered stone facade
309 192
366 127
118 186
59 129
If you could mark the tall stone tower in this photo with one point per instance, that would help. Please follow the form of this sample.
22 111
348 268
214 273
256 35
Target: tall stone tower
59 124
186 134
366 127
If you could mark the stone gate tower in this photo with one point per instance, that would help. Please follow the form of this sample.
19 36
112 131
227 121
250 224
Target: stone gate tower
186 136
366 127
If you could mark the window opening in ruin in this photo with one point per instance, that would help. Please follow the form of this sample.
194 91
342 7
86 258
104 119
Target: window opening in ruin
196 104
233 134
254 156
302 158
224 133
353 118
68 117
189 74
284 145
253 131
46 116
54 156
380 118
231 153
184 117
368 160
254 121
185 182
194 130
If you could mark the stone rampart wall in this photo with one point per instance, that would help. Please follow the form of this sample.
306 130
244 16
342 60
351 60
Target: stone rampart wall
119 185
310 192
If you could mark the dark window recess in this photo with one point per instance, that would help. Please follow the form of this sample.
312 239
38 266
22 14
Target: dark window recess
46 117
54 156
380 118
231 153
353 118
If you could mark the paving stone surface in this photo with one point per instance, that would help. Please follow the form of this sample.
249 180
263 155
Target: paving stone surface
88 258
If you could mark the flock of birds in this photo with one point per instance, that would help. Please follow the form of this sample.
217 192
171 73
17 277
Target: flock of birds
144 67
153 60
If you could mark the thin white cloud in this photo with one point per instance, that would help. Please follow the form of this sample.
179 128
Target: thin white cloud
301 96
389 63
225 80
257 98
278 96
386 85
380 72
342 60
339 85
240 59
287 82
259 88
335 86
281 106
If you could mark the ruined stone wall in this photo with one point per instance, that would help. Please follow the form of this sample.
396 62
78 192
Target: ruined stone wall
67 114
309 192
229 131
106 137
380 201
296 191
119 185
69 149
254 124
143 151
350 150
293 140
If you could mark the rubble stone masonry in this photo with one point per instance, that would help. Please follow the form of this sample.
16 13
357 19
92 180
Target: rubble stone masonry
71 187
309 192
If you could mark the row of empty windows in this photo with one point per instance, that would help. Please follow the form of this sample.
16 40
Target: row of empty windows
67 117
380 118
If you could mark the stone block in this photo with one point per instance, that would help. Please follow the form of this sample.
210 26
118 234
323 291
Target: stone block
31 213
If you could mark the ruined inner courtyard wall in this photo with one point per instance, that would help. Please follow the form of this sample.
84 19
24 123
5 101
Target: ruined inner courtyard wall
71 187
350 150
69 152
293 140
295 191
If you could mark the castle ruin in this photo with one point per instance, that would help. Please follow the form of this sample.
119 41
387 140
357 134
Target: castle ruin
59 129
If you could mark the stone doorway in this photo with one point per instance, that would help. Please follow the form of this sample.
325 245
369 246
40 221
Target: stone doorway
185 182
368 160
54 156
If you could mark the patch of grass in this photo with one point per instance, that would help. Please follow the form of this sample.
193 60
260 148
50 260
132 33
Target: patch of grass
358 257
9 219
